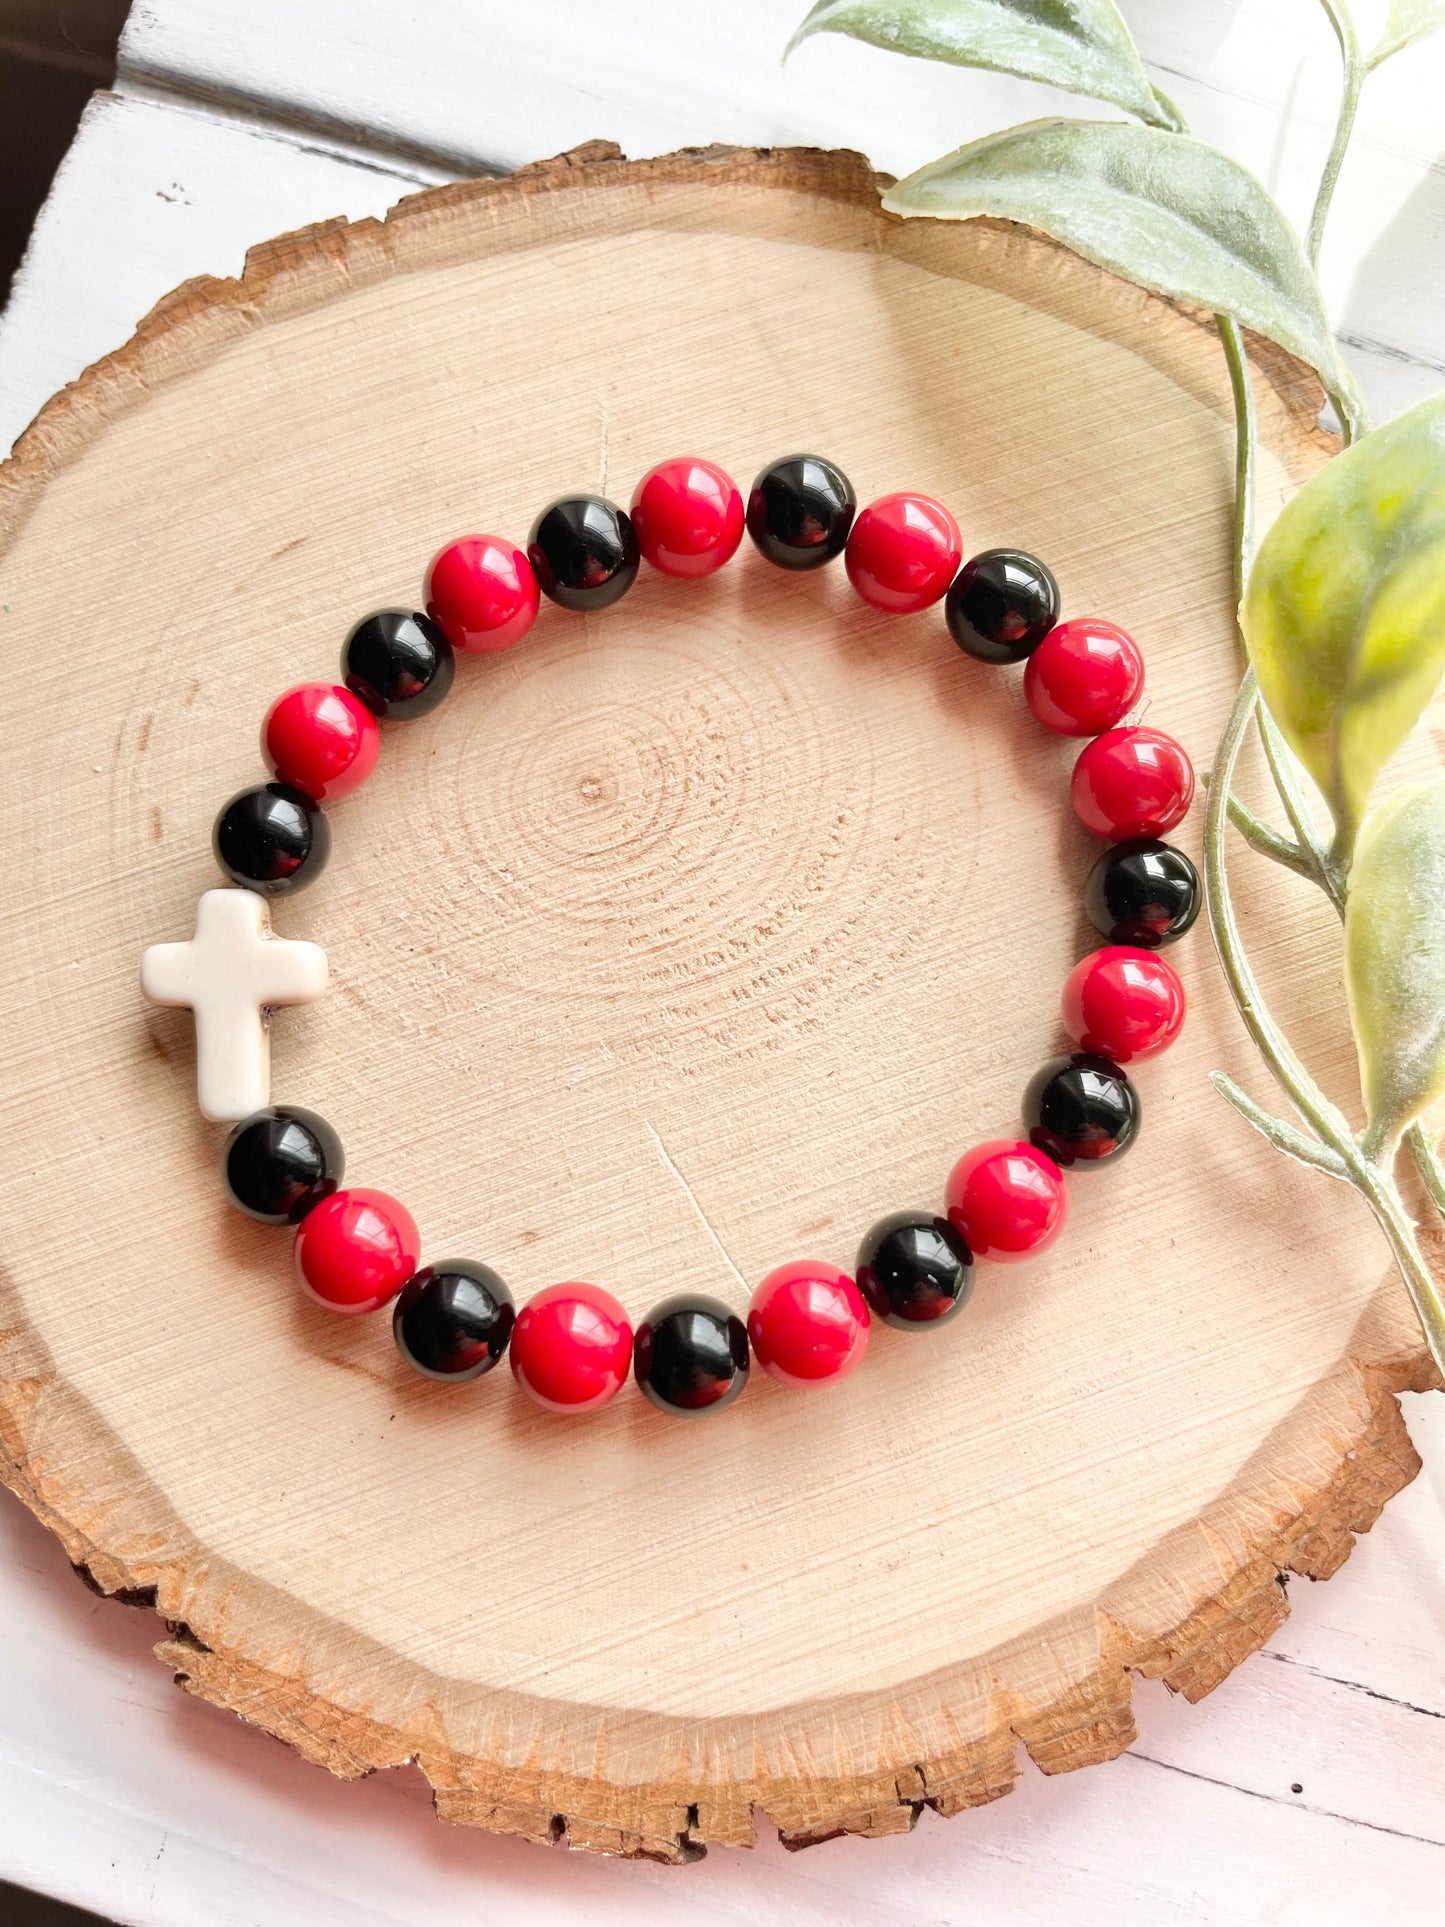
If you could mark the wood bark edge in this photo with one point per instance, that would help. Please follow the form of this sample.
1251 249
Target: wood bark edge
1090 1724
1369 1457
291 269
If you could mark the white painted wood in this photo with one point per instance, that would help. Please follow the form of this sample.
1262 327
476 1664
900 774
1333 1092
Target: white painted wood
493 86
149 196
117 1793
159 189
231 975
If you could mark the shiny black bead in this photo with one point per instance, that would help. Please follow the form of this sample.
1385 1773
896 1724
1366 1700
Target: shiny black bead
398 662
1143 892
583 551
1081 1109
272 839
690 1355
453 1320
800 511
1001 605
914 1269
279 1162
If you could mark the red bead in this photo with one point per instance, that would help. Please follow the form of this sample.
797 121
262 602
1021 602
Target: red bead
688 516
1132 782
808 1321
571 1348
356 1249
1124 1002
903 552
321 739
1084 677
481 593
1008 1200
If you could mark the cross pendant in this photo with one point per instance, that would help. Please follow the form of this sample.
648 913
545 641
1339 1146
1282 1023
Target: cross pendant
231 973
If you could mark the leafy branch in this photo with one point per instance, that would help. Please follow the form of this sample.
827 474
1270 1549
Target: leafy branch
1342 614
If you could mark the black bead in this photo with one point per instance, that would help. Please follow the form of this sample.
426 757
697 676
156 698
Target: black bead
272 839
583 551
1143 892
280 1162
1081 1109
398 662
690 1355
914 1269
453 1319
1001 605
800 511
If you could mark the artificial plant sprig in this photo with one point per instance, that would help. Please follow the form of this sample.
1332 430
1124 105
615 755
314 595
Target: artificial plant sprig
1344 619
1328 1144
1377 667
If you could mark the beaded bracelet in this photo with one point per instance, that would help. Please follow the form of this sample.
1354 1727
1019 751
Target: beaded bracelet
571 1345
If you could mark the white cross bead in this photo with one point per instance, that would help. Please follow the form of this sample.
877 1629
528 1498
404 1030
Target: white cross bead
230 974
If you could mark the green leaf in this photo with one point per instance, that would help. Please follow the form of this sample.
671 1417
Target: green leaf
1409 20
1160 209
1395 959
1344 612
1080 45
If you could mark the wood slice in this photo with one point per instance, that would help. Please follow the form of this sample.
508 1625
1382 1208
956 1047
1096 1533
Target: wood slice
680 942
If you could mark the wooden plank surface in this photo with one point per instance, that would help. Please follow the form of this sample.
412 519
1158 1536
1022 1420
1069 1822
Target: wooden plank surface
116 1793
150 195
493 86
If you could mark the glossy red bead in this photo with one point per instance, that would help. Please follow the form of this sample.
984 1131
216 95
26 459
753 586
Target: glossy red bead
808 1321
688 516
356 1249
482 593
1132 782
1124 1003
903 552
571 1348
1008 1200
1084 677
321 739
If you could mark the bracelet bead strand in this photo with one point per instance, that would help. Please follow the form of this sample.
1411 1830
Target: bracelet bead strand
571 1346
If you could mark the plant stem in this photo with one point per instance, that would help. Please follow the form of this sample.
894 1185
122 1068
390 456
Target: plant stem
1284 1137
1352 80
1168 116
1269 842
1325 1120
1427 1163
1286 777
1245 443
1379 1192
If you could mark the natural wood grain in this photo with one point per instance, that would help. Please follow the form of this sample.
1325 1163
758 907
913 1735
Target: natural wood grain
681 941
